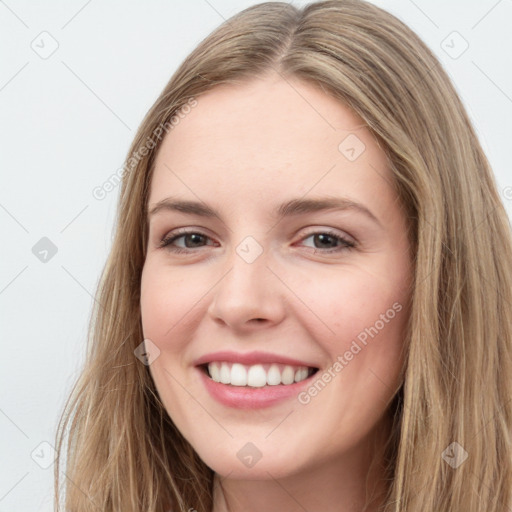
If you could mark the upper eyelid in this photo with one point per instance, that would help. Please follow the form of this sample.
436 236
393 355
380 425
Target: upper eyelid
204 232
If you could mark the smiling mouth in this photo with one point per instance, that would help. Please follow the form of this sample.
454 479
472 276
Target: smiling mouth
257 375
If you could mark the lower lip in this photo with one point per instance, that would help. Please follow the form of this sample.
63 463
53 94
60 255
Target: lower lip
246 397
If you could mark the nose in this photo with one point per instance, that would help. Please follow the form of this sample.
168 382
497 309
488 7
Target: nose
249 295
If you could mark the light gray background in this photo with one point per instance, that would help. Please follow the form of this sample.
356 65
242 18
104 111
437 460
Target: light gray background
67 120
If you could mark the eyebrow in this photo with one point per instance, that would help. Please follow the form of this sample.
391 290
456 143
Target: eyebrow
288 209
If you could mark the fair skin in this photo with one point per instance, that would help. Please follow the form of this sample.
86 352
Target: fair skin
243 151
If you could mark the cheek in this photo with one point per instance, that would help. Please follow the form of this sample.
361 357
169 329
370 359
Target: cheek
352 303
360 319
169 308
169 302
368 318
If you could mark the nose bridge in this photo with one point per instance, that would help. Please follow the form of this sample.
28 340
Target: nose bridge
248 290
248 275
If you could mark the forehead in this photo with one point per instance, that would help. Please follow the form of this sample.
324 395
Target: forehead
268 137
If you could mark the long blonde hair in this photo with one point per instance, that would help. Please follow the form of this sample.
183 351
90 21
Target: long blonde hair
124 452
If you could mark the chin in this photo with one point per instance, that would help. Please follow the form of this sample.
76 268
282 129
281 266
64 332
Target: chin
240 466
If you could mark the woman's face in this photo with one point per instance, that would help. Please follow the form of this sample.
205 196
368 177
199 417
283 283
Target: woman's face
286 251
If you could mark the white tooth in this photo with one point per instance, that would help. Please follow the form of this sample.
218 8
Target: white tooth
213 368
288 375
256 376
225 373
301 374
238 375
273 375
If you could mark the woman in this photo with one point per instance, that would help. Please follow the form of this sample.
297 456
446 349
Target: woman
234 365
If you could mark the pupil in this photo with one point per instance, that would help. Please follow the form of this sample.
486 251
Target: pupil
322 238
195 238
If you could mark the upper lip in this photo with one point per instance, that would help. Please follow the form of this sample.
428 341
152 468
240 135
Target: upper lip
250 358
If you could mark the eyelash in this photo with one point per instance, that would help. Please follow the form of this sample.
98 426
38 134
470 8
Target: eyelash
167 241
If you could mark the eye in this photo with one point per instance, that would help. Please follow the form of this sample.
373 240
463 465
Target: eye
191 239
194 240
335 241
